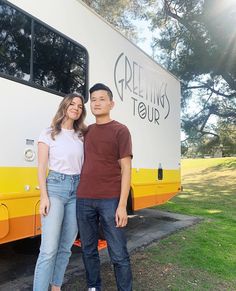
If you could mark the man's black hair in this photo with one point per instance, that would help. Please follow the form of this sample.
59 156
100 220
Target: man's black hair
100 86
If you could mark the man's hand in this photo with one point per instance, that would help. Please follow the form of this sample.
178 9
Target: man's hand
121 217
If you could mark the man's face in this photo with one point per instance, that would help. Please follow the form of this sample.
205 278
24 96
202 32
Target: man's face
100 103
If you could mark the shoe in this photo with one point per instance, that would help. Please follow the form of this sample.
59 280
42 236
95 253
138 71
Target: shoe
92 289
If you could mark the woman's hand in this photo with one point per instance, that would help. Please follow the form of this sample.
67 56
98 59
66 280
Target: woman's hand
44 205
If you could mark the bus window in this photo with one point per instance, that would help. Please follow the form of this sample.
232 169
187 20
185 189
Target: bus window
15 41
58 63
32 53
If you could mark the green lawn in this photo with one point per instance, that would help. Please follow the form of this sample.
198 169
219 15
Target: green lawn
208 248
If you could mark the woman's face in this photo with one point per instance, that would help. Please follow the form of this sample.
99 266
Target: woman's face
75 109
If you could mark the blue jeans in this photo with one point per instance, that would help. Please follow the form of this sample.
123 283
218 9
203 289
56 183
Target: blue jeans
89 213
59 230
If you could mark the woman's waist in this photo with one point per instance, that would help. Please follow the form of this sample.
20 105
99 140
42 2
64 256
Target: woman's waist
63 176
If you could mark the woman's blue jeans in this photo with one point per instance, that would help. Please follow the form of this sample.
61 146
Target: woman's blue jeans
59 230
89 213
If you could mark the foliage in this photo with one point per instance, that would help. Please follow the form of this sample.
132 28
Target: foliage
227 134
197 42
223 143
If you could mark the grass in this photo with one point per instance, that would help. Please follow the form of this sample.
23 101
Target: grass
202 257
209 247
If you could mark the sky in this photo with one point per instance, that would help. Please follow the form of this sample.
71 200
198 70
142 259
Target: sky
145 35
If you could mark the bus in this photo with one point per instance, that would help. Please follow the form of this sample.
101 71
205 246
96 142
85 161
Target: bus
51 48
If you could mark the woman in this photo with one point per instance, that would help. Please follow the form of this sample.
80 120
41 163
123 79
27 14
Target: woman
60 148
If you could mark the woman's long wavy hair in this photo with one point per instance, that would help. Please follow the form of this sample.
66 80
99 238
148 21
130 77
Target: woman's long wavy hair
78 124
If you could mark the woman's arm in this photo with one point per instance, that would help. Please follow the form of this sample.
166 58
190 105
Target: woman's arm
43 150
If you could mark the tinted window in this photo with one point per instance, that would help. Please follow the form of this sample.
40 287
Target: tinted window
15 41
56 63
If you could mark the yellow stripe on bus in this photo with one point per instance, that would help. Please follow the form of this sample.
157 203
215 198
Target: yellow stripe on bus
148 190
19 184
19 197
15 179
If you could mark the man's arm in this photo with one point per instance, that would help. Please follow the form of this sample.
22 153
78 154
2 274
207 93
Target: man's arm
121 213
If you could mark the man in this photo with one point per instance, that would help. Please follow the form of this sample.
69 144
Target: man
103 191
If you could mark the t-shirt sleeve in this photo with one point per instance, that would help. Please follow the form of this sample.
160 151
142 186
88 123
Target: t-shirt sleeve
125 143
45 137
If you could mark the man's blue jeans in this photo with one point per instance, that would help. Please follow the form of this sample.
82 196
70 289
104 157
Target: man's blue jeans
59 230
89 213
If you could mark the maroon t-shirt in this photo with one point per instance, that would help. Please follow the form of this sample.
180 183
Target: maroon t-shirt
104 145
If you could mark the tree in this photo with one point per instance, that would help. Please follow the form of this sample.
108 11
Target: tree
227 135
197 42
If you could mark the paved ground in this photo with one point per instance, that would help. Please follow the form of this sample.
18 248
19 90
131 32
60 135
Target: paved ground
148 225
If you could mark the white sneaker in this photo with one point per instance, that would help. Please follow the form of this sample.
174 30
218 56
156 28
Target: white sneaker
92 289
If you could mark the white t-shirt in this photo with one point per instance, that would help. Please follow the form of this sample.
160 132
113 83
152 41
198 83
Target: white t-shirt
66 152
